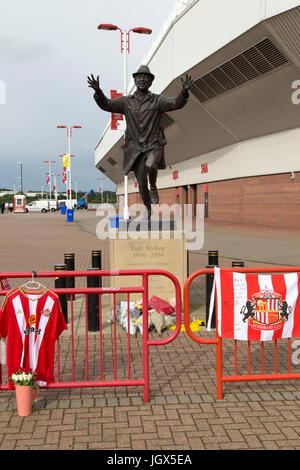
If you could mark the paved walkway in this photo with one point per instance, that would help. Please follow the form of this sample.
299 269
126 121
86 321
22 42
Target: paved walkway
183 412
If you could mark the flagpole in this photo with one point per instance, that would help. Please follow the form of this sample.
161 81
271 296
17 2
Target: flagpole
49 175
101 188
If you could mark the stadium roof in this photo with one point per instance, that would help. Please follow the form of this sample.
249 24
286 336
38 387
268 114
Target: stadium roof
243 58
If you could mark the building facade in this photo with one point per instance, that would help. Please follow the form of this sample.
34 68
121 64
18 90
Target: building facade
235 146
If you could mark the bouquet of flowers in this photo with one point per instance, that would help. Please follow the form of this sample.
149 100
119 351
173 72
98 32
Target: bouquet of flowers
24 378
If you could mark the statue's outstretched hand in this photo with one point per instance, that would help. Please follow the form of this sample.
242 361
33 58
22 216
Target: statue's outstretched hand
94 83
186 82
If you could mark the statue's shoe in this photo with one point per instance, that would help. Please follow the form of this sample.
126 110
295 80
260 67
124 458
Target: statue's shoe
154 195
147 214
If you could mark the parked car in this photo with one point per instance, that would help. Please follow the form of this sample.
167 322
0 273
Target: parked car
66 202
43 205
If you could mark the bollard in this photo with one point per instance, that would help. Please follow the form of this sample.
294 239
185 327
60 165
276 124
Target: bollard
206 205
69 259
60 283
93 302
237 264
97 262
213 260
96 259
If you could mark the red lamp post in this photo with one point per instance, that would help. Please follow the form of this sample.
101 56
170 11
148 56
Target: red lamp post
125 49
69 135
49 174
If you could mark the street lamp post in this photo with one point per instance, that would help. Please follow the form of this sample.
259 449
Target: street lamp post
69 135
76 192
49 174
21 169
54 186
101 188
125 49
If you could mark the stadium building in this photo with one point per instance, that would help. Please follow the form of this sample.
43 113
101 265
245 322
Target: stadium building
235 146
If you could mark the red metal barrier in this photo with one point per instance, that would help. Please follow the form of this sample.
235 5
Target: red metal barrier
235 377
143 290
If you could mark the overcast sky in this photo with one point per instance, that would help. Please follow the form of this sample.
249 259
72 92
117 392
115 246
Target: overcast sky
47 49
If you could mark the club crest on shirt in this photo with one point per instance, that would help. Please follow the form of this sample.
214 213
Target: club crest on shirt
266 311
46 312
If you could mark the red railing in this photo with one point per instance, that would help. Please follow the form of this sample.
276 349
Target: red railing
249 375
146 342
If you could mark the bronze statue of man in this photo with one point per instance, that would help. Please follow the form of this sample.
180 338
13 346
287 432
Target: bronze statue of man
144 137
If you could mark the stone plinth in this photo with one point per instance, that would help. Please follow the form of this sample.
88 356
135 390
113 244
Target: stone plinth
159 249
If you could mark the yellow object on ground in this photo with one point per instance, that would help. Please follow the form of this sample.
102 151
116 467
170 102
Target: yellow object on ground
194 325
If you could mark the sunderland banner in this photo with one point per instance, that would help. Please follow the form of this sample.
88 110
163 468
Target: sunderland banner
256 307
66 160
64 174
115 123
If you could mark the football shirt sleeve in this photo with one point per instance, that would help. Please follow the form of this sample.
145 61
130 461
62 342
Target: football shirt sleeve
59 323
4 318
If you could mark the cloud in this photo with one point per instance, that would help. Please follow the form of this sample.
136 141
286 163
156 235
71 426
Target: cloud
13 50
47 49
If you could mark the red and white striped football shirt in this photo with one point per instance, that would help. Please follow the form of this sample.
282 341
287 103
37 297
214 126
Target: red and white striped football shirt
32 321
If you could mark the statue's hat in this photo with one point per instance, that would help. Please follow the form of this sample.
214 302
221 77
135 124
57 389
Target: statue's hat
144 69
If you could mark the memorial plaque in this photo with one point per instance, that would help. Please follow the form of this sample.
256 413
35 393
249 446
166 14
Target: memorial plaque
159 253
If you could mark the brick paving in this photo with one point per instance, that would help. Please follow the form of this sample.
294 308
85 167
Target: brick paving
183 412
36 241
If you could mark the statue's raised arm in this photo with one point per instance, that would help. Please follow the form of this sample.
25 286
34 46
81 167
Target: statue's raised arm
110 105
186 82
94 83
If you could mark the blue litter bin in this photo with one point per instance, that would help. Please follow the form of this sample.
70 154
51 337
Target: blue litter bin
114 221
63 210
70 215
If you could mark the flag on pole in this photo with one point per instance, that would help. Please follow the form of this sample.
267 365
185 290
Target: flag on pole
115 117
64 175
66 160
48 179
256 307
